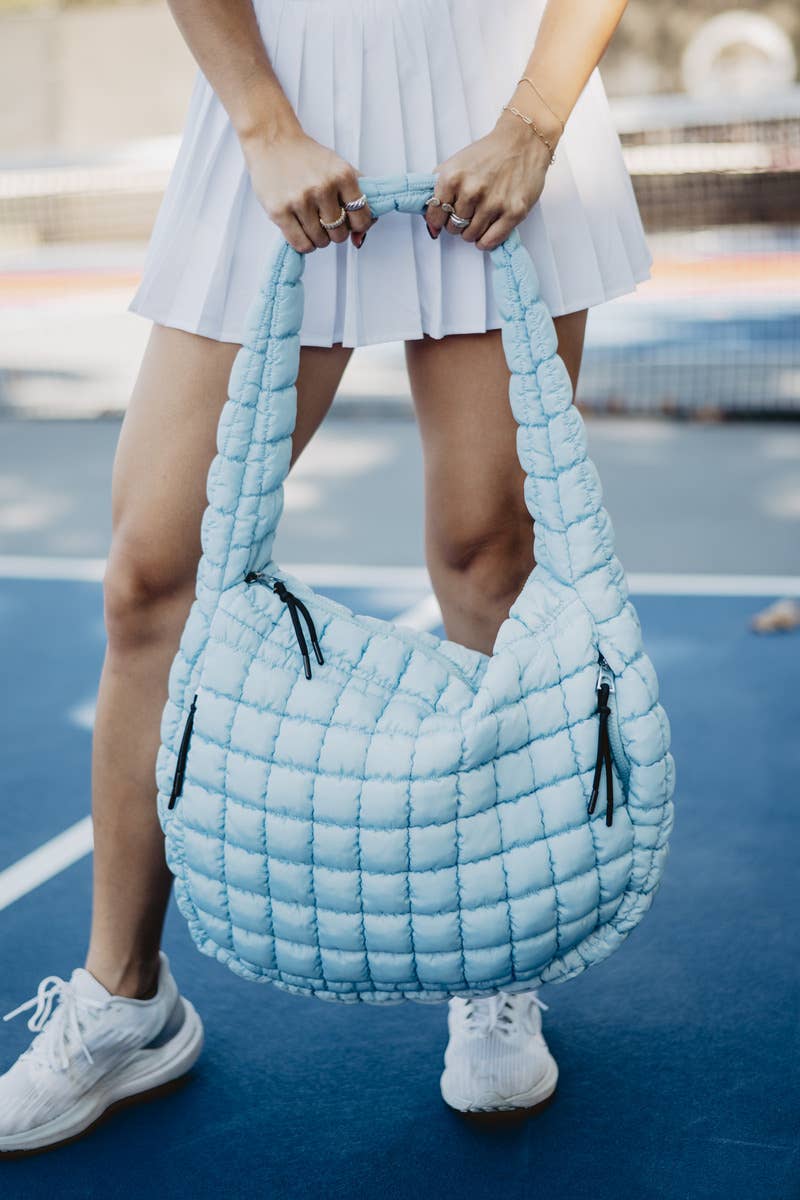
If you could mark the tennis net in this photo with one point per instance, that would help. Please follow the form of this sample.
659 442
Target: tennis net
715 331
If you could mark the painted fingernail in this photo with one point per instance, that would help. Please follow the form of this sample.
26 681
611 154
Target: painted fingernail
360 243
430 231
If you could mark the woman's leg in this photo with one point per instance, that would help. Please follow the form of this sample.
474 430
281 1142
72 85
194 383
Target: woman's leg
478 532
166 444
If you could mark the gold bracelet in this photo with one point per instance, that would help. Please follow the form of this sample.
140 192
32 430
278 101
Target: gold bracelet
527 79
538 132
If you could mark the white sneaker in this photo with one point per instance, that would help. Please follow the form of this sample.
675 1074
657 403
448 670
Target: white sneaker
496 1058
91 1051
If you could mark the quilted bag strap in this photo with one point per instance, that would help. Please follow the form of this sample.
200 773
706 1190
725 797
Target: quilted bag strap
574 537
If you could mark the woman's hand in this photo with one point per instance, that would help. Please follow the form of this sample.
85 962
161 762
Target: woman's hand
298 181
495 182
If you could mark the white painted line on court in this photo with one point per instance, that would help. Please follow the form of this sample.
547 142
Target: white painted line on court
666 583
360 575
50 859
423 616
90 570
52 566
642 583
82 715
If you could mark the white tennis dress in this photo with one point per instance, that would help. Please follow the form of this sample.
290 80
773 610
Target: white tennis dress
392 86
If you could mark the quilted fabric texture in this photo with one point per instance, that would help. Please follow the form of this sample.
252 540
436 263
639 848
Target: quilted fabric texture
411 822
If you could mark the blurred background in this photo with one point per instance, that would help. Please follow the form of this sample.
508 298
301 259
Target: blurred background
703 362
691 393
707 105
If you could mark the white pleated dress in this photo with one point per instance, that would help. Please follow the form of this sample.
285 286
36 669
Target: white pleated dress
392 86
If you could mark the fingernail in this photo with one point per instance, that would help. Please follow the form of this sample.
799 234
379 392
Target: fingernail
430 231
363 239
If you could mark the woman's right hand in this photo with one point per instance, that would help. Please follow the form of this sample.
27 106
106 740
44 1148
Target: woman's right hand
298 182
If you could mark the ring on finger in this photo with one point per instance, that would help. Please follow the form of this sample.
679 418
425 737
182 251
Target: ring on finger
459 222
355 205
340 220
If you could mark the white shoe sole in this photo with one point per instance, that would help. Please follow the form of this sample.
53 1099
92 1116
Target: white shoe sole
144 1072
536 1097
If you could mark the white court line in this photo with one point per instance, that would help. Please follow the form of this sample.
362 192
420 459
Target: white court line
667 583
50 859
54 566
657 584
423 617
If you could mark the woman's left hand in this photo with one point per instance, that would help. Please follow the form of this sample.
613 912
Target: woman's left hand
495 182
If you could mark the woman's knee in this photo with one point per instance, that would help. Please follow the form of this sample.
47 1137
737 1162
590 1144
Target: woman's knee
145 595
486 560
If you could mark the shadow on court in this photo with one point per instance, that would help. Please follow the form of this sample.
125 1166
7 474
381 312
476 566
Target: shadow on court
678 1056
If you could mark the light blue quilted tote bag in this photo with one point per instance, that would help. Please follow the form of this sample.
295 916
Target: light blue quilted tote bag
357 811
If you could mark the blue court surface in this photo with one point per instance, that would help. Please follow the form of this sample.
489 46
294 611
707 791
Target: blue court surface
678 1056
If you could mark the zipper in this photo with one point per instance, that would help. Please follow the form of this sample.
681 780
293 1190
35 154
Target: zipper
295 606
183 753
610 750
408 636
618 752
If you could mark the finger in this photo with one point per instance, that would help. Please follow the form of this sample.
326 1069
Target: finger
329 208
483 216
332 212
295 235
496 233
308 214
464 210
435 218
470 197
360 219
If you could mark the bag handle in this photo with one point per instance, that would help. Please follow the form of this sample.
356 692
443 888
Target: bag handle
574 536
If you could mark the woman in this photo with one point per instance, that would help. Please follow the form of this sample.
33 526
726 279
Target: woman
295 99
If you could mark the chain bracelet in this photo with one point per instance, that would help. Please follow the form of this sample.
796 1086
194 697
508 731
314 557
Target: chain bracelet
553 113
534 129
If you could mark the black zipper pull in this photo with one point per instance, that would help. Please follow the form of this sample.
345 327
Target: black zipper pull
605 686
295 605
183 752
290 600
311 630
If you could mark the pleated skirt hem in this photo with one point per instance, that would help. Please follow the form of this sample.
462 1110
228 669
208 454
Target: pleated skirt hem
392 86
312 337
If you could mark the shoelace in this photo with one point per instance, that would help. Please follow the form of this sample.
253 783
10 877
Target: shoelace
61 1026
484 1014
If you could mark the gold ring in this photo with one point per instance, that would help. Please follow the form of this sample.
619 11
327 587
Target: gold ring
340 220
